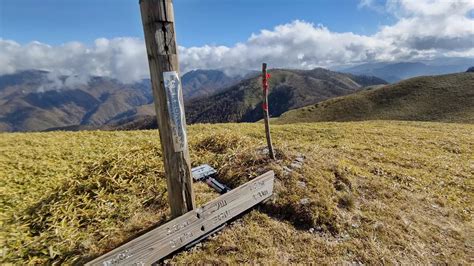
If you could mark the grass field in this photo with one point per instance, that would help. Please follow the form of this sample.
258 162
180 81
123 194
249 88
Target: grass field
444 98
368 192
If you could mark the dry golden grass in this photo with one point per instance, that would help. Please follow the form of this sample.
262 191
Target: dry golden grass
369 192
444 98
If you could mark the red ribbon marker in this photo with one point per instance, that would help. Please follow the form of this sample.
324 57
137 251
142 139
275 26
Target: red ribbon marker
265 90
265 82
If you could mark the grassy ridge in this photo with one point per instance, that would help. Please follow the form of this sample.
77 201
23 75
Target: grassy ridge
397 192
447 98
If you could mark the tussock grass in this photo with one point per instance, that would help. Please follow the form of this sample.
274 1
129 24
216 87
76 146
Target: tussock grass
369 192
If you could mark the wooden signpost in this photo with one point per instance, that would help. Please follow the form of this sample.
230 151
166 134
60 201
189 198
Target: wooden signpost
162 241
189 225
160 40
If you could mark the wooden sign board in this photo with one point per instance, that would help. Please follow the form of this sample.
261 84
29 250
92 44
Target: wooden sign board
164 240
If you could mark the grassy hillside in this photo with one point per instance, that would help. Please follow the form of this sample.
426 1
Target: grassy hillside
366 192
447 98
289 89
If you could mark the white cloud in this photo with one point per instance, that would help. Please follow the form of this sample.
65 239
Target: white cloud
431 26
377 5
430 7
298 44
121 58
425 29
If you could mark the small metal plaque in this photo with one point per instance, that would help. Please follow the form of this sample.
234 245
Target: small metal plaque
202 171
172 85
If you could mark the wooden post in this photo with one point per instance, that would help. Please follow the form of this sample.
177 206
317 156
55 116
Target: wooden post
160 39
265 77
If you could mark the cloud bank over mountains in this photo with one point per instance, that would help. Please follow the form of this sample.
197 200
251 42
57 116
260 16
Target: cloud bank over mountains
425 29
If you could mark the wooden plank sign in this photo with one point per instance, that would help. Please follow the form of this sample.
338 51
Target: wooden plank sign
164 240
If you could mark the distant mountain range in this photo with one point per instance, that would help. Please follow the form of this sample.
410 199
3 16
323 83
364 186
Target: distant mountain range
394 72
31 101
445 98
203 83
34 101
289 89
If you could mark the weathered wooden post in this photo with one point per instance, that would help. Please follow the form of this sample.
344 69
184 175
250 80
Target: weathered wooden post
265 77
160 39
192 225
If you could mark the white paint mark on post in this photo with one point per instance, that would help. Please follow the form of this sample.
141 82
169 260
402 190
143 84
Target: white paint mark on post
172 85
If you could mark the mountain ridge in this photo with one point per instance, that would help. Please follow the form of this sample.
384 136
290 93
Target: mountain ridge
444 98
201 83
30 101
289 89
397 71
36 100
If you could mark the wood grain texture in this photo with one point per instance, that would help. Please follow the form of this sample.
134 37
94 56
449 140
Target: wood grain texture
162 241
160 39
157 10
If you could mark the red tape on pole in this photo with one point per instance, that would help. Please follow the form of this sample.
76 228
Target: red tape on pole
265 82
265 90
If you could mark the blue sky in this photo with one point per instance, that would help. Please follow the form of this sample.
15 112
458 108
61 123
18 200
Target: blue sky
105 37
198 22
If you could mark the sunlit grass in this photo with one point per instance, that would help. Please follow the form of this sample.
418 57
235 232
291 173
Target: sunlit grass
444 98
393 192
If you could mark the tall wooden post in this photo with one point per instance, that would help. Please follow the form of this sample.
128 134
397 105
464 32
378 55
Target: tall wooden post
265 77
160 39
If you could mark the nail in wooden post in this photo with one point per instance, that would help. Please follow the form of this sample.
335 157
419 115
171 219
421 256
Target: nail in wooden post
160 39
265 110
